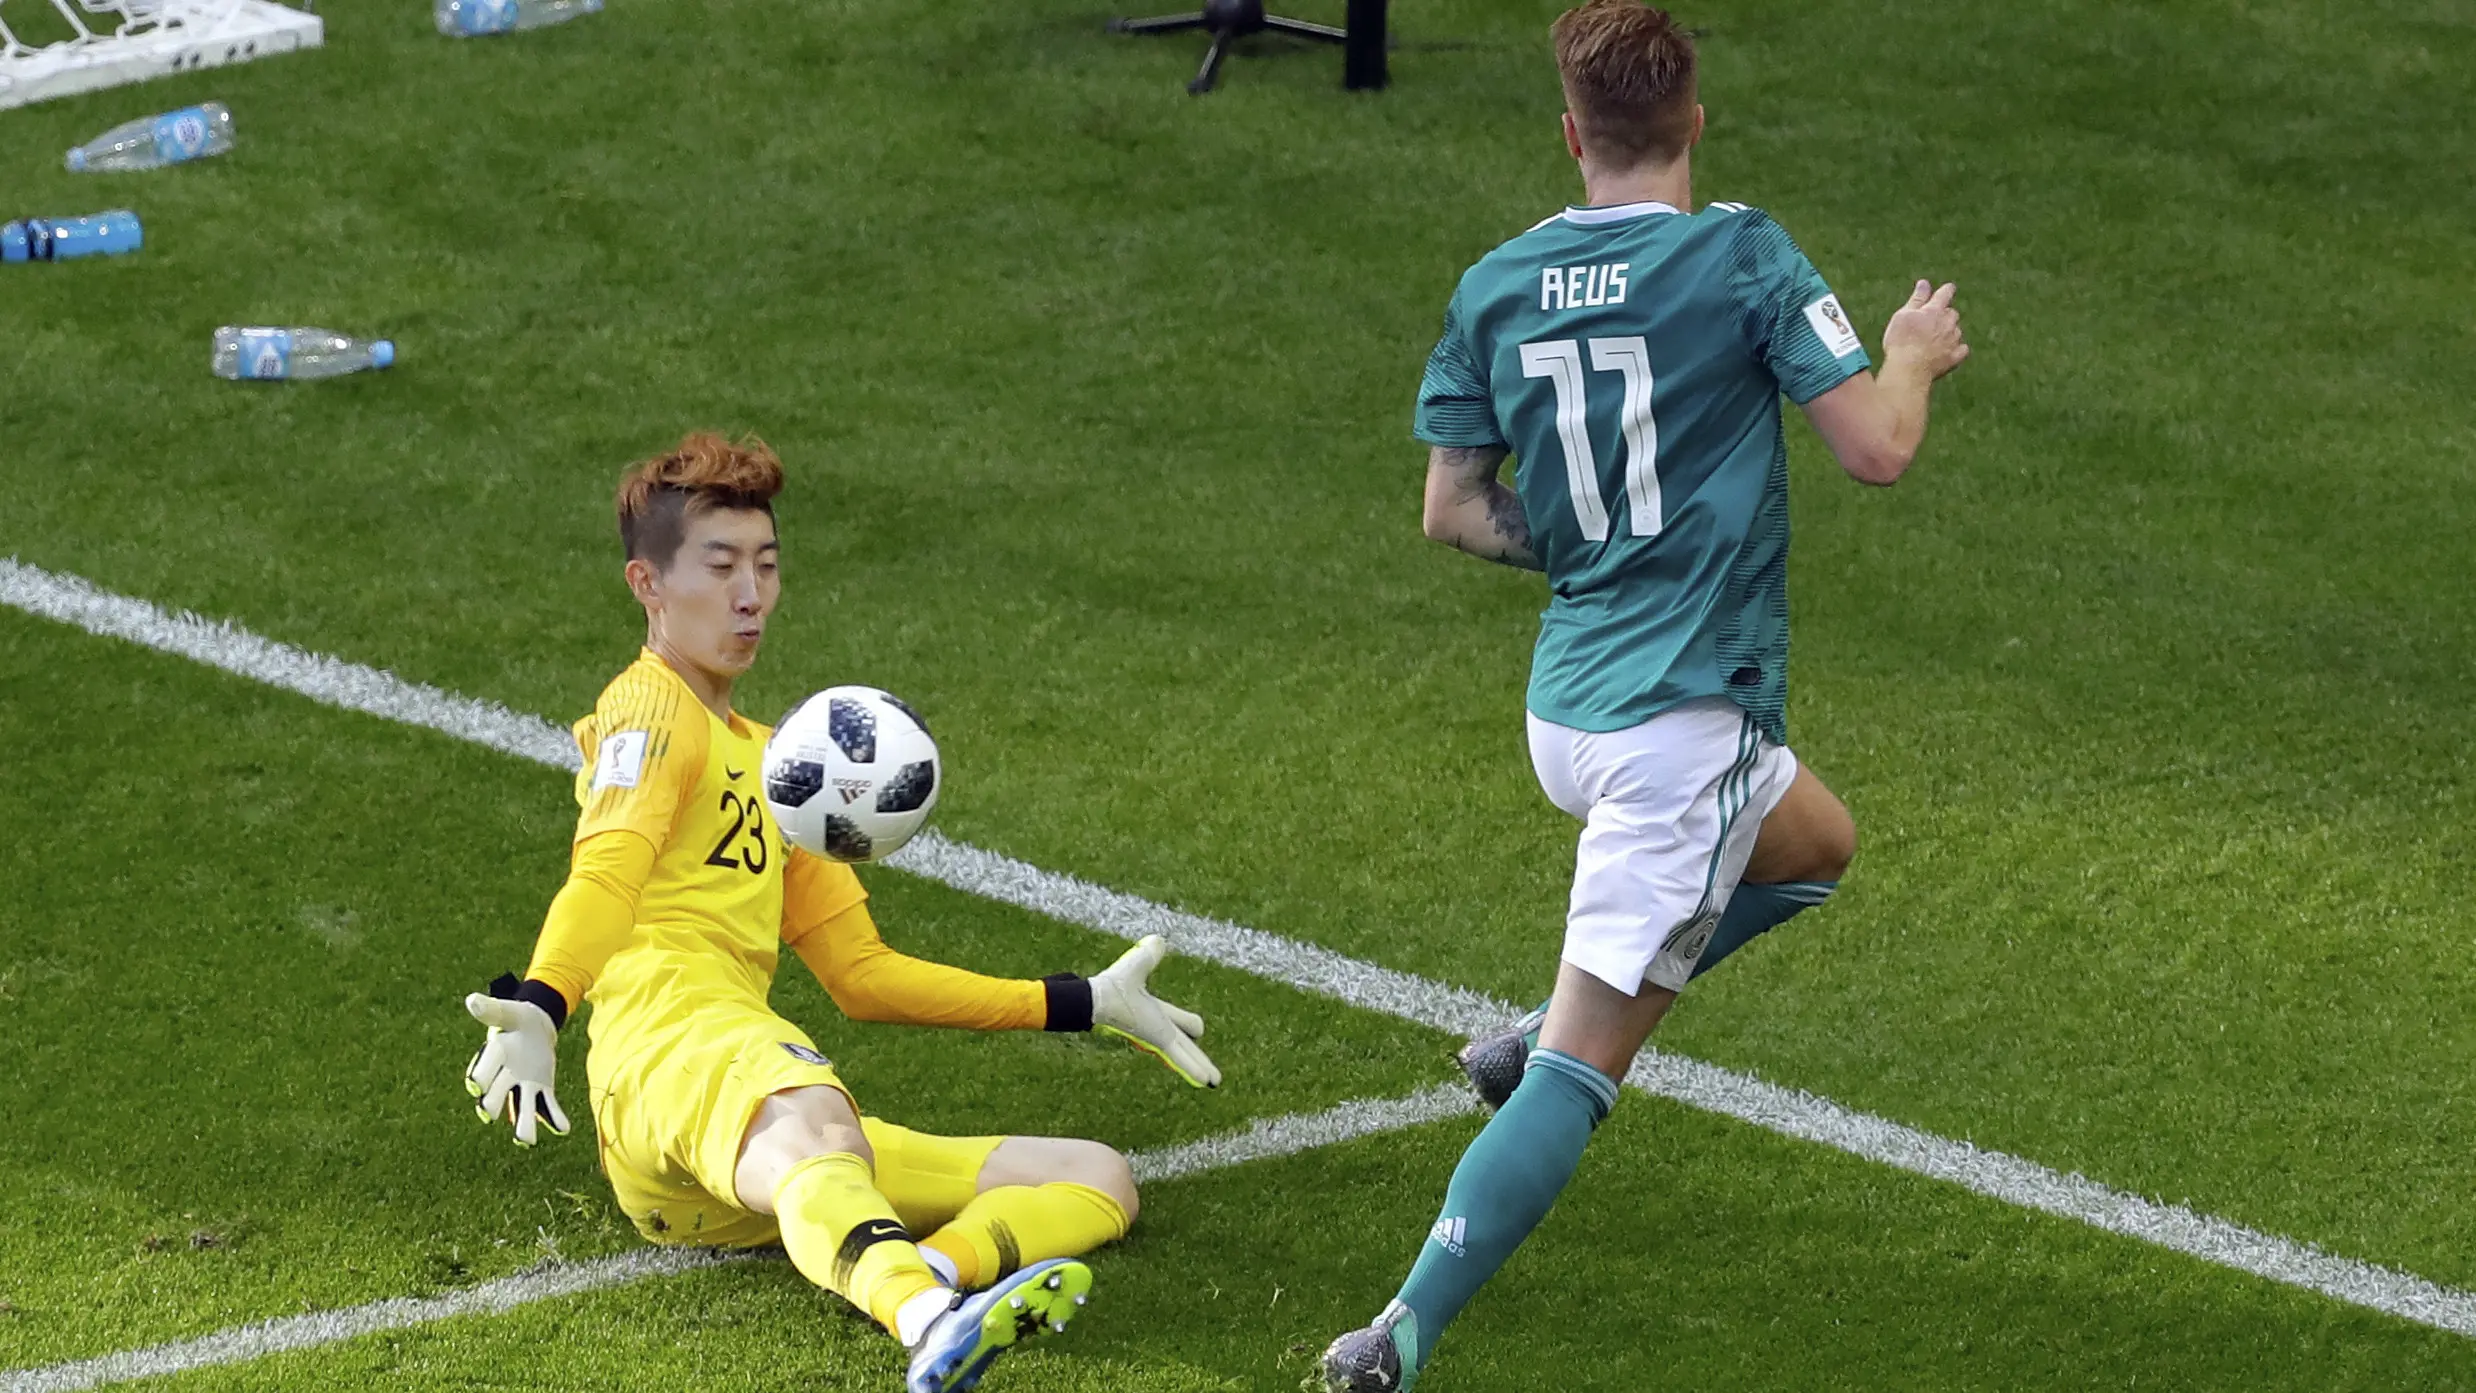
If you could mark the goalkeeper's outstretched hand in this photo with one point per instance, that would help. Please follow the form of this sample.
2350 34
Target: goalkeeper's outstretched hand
517 1065
1124 1006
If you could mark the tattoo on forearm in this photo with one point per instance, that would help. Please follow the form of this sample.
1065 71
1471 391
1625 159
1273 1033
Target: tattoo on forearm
1512 524
1504 535
1473 467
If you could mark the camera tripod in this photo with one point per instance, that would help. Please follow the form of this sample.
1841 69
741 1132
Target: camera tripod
1229 21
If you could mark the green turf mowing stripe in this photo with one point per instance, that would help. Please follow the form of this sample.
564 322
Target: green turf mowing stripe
1994 1174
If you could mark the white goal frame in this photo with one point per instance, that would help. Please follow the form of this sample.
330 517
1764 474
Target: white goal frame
123 41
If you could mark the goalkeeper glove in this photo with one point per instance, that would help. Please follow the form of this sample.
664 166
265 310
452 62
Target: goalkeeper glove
1124 1006
519 1061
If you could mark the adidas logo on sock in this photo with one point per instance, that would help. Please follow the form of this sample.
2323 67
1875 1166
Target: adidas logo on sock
1452 1233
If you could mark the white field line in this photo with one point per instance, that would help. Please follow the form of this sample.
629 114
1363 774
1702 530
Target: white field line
313 675
1706 1086
1454 1010
1268 1137
1291 1133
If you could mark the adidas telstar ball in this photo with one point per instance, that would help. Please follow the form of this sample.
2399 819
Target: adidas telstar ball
851 774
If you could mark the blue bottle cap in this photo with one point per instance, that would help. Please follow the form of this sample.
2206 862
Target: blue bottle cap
382 353
77 160
13 242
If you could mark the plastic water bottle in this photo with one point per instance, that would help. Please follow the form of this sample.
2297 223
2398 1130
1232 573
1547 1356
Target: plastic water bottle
191 133
62 239
294 355
465 19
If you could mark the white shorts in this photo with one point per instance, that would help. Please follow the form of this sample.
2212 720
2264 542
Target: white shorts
1670 810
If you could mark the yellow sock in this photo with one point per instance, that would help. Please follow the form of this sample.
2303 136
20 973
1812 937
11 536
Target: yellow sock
843 1236
1013 1226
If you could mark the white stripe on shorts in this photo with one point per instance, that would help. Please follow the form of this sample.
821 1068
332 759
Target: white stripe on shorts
1664 832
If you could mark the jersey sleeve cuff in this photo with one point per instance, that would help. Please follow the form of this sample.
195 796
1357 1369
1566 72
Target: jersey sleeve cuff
1456 422
1070 1002
1807 390
1458 436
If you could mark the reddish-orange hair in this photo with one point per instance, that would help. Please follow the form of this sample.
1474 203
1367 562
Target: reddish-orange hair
1628 71
706 472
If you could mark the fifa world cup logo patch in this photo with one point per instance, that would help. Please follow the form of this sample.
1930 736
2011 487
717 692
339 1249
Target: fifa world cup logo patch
806 1055
1830 324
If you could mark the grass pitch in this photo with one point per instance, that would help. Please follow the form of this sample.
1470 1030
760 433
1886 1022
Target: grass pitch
2144 687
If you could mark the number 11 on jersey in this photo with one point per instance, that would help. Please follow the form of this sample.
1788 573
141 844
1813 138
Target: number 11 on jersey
1560 361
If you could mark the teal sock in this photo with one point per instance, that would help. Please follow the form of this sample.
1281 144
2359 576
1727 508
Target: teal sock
1755 910
1501 1190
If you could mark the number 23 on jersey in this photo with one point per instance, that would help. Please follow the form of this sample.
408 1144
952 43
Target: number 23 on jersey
743 847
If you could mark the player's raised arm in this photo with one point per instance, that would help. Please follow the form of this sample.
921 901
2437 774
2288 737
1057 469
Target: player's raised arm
635 749
1874 424
826 921
1470 507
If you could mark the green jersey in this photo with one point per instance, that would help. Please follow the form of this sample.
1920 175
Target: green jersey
1632 358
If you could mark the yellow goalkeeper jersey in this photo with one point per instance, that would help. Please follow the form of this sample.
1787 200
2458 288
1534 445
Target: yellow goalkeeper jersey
682 892
709 918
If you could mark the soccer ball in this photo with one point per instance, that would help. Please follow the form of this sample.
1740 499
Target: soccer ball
851 774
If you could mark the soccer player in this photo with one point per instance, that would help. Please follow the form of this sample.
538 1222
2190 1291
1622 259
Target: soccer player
719 1123
1631 355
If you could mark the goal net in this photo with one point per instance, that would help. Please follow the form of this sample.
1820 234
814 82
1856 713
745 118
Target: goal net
52 48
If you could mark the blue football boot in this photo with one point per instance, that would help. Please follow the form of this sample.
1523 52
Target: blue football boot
962 1343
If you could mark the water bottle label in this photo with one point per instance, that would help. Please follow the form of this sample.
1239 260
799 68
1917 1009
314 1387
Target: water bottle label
266 354
181 135
487 16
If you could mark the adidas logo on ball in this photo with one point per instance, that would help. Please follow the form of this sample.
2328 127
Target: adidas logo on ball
873 751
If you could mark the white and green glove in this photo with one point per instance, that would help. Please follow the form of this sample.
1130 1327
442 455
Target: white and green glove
1123 1005
519 1061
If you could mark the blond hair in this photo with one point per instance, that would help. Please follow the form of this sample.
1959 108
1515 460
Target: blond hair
1628 71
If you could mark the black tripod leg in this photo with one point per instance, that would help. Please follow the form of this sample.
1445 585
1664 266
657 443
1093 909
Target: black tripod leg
1164 24
1210 73
1299 28
1363 62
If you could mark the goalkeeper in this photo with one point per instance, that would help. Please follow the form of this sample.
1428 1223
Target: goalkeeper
719 1122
